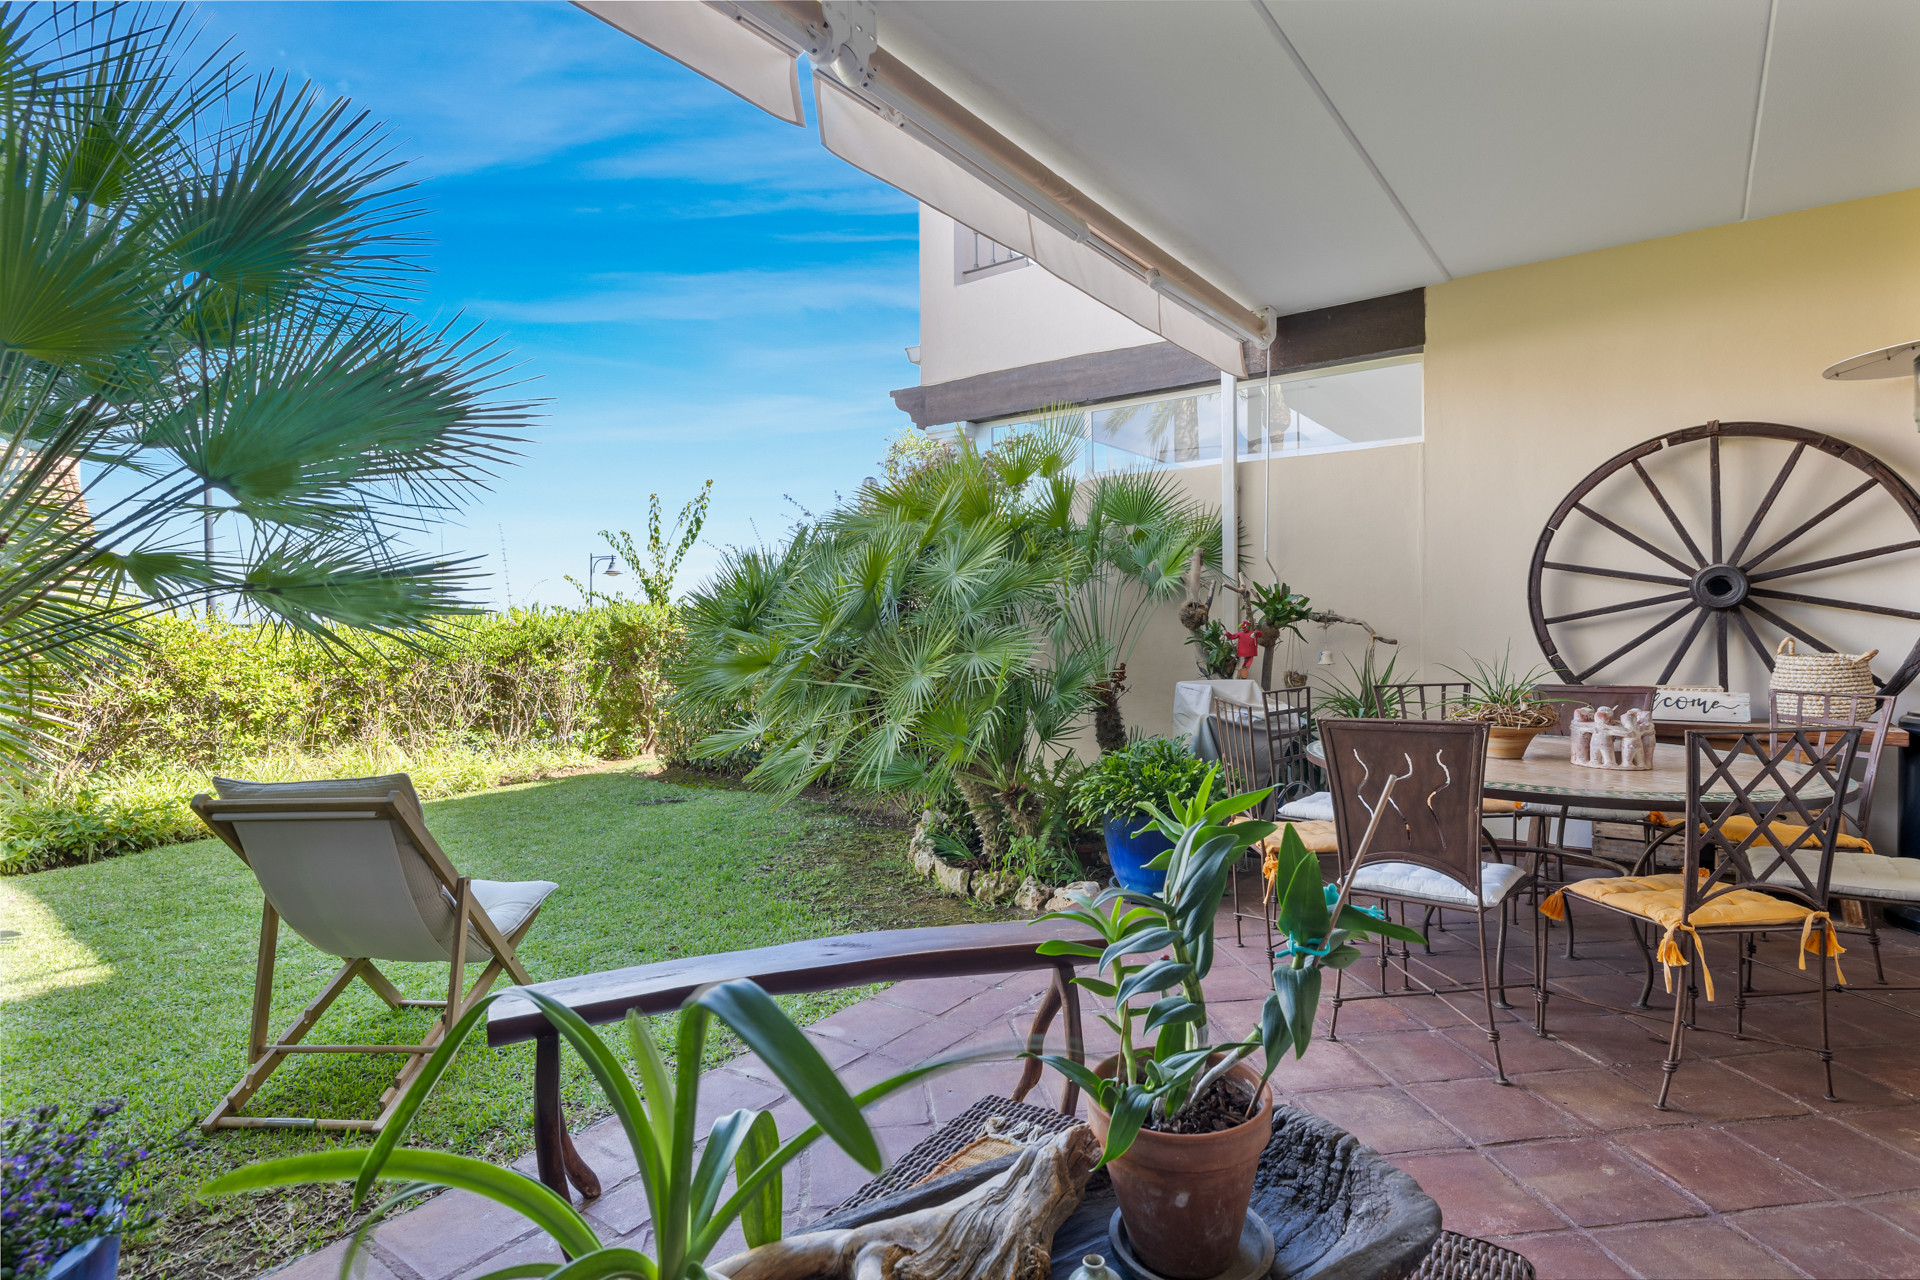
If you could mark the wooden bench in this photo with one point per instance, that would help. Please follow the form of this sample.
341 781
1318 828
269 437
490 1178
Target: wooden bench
825 964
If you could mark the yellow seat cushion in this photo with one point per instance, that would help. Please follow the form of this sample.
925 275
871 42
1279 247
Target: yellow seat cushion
1740 826
1319 837
1660 900
1498 808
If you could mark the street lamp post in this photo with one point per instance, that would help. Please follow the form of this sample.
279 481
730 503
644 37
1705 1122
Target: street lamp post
593 562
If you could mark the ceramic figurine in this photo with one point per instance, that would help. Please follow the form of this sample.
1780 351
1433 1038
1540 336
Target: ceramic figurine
1599 741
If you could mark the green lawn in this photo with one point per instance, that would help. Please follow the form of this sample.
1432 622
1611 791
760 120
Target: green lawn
132 977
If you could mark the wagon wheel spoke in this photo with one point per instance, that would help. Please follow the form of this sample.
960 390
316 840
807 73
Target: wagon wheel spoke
1713 477
1632 537
1616 573
1766 503
1813 520
1849 558
1680 650
1746 629
1884 610
1720 645
1635 643
1666 509
1791 628
1626 606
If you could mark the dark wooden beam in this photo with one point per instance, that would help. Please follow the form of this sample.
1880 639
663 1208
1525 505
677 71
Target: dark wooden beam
1370 329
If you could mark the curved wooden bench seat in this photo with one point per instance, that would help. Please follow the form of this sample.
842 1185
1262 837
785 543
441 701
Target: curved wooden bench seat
823 964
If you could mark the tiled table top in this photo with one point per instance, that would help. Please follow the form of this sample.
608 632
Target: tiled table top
1751 1173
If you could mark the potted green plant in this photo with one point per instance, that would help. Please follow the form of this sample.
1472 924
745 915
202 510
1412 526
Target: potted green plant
1280 610
1218 658
63 1204
1506 703
1184 1120
686 1190
1117 794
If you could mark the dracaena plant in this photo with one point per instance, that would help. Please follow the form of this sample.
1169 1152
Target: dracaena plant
692 1207
1160 948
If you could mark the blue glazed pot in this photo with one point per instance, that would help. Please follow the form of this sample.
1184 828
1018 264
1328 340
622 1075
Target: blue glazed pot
97 1259
1130 854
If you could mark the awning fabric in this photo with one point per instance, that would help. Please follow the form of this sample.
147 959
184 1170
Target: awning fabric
890 152
733 54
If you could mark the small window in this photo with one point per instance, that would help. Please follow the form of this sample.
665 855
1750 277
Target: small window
976 256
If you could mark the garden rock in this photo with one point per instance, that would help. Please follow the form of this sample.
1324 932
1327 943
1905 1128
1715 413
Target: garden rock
1033 896
994 886
921 846
1061 902
949 877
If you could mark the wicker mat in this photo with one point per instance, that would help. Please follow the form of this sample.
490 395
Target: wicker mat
1454 1257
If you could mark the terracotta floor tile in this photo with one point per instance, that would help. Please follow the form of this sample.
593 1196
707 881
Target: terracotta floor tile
1834 1154
1892 1065
934 995
1565 1255
1410 1056
929 1038
1476 1198
1326 1065
1715 1166
1798 1075
1677 1250
1487 1111
1594 1183
1902 1209
1710 1091
991 1007
1367 1017
1606 1100
1387 1120
1610 1040
325 1265
870 1024
1899 1126
1520 1049
451 1232
539 1249
1834 1240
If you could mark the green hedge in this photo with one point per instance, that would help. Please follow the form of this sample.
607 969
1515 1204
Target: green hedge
494 698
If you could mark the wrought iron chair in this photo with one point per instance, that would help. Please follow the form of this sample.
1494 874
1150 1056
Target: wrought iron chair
1863 880
1247 758
1421 699
1760 842
1428 851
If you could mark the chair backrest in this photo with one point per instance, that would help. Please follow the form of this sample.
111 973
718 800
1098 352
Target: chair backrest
1432 818
346 862
1245 756
1567 699
1822 716
1289 730
1421 699
1792 781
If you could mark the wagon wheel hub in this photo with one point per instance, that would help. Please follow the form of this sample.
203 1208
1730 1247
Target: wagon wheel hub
1720 586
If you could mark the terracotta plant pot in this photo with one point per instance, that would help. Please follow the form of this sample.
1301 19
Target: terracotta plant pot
1510 744
1184 1196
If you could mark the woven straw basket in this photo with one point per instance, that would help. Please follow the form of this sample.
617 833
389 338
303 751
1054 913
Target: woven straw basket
1834 674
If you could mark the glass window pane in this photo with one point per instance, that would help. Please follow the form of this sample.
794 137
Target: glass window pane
1157 433
1331 410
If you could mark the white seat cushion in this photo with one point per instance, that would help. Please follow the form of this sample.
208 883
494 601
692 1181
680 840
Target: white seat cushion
1582 813
1860 875
1407 880
1317 807
507 903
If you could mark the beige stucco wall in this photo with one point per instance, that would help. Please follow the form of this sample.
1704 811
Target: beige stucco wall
1005 320
1536 375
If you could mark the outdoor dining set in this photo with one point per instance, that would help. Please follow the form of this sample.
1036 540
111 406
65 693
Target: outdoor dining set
1734 834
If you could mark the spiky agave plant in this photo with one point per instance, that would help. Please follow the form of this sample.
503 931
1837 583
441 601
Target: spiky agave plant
200 279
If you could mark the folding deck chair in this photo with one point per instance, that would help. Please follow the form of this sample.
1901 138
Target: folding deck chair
349 864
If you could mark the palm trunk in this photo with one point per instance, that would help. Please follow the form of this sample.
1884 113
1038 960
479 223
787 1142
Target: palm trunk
1109 728
987 817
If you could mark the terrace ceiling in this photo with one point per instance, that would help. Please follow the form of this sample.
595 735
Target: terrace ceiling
1296 154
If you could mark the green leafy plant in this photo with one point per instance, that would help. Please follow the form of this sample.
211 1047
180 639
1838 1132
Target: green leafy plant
690 1206
1366 697
204 334
1498 695
656 571
1160 948
1218 658
1278 609
1126 783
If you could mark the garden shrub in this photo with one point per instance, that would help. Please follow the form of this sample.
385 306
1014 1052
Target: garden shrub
486 700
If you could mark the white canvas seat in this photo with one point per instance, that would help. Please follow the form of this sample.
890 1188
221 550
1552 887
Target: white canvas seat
1415 883
1861 875
349 865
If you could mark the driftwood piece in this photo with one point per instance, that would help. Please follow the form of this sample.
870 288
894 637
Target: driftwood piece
1000 1230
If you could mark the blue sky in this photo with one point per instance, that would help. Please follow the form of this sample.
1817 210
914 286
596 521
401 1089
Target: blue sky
699 290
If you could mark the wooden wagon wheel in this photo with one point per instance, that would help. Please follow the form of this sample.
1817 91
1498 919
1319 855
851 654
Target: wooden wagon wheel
1719 576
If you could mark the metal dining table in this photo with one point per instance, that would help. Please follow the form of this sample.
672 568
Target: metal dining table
1547 775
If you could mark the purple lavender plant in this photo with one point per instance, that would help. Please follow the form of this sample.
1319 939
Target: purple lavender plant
61 1184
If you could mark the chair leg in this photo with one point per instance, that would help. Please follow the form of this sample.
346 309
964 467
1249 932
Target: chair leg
1675 1041
1539 975
1486 989
1333 1019
1426 923
1646 958
1742 978
263 982
1500 961
1875 914
1828 936
268 1060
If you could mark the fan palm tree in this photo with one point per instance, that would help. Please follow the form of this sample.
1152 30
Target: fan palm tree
201 281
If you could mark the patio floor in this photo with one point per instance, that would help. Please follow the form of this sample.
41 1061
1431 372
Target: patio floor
1750 1174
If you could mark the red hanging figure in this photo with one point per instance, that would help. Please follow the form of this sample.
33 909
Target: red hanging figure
1246 645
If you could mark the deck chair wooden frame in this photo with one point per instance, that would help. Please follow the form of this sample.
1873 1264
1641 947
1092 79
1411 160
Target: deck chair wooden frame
266 1054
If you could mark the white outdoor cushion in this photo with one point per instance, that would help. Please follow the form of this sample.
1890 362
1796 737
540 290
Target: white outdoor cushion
1408 880
1859 875
507 903
1582 813
1317 807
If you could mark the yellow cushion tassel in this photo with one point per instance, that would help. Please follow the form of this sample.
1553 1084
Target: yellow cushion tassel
1554 905
1830 936
1672 958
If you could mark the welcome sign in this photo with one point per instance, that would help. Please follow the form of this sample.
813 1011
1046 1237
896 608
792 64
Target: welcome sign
1711 705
